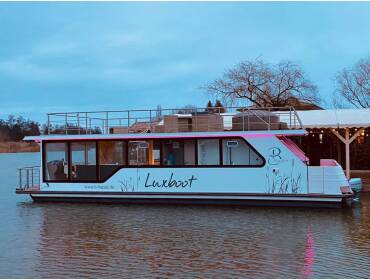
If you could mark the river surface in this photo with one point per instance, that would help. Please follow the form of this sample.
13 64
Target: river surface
128 241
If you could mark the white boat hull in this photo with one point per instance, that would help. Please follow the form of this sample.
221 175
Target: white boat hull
186 198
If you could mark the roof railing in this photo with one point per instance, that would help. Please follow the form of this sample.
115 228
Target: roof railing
173 120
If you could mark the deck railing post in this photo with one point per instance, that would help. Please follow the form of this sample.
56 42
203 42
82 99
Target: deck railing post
78 123
107 122
27 178
150 121
20 178
128 121
290 117
48 127
248 121
86 130
196 120
243 120
32 177
66 121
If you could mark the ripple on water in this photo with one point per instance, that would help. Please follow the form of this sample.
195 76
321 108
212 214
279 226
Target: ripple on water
118 241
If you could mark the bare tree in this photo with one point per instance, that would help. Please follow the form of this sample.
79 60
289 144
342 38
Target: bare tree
264 85
353 84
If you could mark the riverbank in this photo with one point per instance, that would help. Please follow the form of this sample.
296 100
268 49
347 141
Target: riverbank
18 147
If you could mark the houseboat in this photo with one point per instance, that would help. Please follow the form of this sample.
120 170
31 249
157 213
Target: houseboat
238 157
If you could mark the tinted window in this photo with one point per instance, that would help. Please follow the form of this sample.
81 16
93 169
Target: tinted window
208 152
144 152
56 161
83 159
112 156
238 152
178 152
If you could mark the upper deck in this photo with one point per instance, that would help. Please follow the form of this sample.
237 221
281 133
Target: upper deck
159 120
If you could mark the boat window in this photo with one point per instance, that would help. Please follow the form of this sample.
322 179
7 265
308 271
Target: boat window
238 152
112 156
208 152
178 152
56 161
144 152
83 159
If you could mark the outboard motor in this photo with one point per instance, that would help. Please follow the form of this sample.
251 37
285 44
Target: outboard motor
356 184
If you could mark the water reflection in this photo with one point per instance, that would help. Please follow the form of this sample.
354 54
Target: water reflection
82 240
90 240
309 256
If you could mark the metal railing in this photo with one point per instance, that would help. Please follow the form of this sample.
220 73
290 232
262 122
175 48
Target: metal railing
143 121
29 178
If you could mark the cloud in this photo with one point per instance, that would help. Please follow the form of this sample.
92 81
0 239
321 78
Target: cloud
138 54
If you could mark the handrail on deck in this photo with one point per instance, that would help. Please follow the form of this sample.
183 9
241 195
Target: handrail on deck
29 178
141 120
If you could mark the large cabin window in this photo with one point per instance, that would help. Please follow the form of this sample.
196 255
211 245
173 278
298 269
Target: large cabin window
238 152
83 160
144 152
97 161
112 156
208 152
56 161
178 152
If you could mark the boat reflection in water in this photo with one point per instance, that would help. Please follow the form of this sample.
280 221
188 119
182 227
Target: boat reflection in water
309 256
91 240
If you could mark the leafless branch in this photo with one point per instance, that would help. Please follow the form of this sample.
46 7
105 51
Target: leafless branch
264 85
353 84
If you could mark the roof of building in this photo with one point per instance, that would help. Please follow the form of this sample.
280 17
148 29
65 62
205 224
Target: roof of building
336 118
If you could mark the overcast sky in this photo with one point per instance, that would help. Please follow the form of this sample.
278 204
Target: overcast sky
96 56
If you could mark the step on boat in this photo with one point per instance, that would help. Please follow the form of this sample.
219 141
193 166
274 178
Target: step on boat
193 156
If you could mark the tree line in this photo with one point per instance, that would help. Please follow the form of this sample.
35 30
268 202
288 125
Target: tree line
15 128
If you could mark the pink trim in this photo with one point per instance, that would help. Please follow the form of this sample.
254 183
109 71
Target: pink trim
309 256
293 148
328 162
138 136
151 136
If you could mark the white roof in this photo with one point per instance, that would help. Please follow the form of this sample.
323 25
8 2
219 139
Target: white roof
338 118
262 133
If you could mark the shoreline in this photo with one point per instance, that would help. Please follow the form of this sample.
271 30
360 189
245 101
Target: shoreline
18 147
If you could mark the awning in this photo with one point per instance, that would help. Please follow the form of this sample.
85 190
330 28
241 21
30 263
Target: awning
338 118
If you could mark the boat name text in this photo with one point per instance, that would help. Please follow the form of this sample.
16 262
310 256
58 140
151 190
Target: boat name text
169 183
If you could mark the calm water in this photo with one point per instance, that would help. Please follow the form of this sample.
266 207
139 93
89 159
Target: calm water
90 240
